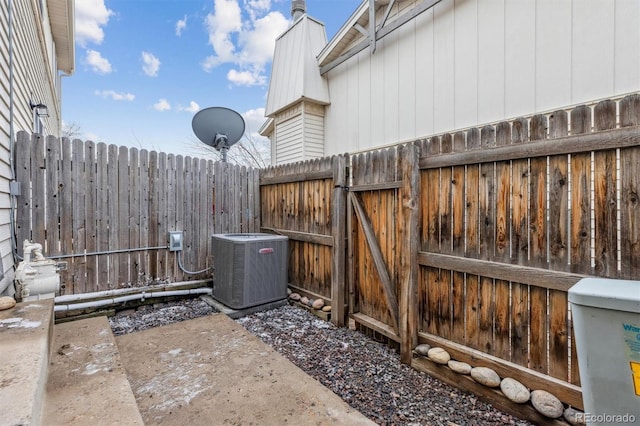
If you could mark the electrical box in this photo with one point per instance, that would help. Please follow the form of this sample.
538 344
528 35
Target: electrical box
175 241
606 321
251 269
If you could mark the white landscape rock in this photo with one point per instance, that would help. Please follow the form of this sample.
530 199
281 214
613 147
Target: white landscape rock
547 404
422 349
304 300
7 302
459 367
485 376
326 308
439 356
514 390
317 304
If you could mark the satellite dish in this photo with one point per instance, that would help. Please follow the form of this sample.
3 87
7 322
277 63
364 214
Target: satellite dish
218 127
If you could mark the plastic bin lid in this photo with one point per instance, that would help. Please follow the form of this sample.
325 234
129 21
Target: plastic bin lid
605 293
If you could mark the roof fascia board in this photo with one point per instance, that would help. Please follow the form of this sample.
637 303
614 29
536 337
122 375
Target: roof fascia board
343 31
372 26
384 31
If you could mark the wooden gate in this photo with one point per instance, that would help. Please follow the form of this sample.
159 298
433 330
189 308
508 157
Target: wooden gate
382 228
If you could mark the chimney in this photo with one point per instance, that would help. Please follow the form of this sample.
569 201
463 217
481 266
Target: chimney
298 8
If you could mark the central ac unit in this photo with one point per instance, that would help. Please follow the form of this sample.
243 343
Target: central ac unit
250 269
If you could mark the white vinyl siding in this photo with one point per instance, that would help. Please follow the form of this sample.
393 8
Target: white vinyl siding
469 62
35 79
289 137
313 136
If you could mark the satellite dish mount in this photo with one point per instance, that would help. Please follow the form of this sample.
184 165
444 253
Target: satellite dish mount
219 128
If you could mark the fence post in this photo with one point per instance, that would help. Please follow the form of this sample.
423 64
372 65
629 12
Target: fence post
338 231
408 274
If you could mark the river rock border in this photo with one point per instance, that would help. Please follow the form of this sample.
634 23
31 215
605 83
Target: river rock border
315 306
542 401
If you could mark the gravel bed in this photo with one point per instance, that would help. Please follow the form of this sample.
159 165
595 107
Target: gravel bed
148 316
366 374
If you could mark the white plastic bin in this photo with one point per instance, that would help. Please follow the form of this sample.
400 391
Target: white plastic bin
606 320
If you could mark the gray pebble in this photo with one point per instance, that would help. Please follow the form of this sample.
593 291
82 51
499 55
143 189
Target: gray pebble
422 349
571 416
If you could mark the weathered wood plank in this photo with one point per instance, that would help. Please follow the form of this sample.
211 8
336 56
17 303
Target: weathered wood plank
558 198
409 245
123 216
580 233
90 212
558 335
630 194
134 215
24 200
381 268
78 221
102 169
537 277
338 234
38 189
599 141
605 196
520 324
53 209
143 172
66 211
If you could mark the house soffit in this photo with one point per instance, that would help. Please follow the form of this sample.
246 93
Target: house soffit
368 24
61 18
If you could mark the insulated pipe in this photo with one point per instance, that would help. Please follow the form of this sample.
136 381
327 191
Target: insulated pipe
128 298
120 291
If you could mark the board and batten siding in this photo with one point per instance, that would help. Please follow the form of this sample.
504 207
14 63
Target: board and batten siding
35 78
467 62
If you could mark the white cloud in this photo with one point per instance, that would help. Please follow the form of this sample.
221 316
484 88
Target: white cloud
150 64
259 43
181 25
193 107
246 78
254 119
162 105
97 63
116 96
254 7
90 17
247 43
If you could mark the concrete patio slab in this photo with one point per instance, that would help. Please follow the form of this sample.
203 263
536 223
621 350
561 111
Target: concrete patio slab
25 339
87 383
212 371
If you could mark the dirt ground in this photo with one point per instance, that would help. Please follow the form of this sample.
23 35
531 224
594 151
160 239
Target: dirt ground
212 371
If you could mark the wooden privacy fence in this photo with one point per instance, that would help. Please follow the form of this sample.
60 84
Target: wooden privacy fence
472 244
306 202
80 198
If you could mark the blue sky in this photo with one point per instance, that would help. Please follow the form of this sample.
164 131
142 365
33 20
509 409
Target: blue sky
145 67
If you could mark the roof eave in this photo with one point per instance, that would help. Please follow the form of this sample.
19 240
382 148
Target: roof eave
62 17
342 32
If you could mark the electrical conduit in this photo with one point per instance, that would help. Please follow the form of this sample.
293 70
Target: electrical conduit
127 298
